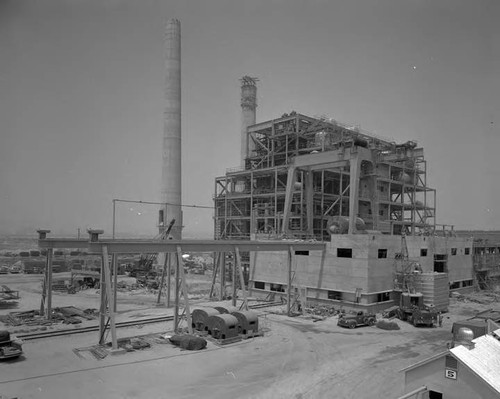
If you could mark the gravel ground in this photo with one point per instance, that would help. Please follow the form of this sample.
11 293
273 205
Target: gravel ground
296 357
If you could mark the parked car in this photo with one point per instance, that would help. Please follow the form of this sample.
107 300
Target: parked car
9 348
358 318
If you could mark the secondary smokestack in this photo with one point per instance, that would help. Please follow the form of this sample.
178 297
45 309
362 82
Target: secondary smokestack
171 170
248 107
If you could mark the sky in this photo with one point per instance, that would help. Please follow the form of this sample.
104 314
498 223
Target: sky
81 99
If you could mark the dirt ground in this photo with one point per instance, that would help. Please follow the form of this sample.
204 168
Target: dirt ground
296 357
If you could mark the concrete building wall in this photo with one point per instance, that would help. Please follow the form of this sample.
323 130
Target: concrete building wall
368 272
432 374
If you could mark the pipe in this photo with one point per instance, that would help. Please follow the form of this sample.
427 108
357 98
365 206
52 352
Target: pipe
171 188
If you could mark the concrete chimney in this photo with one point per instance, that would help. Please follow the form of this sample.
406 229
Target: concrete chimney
248 108
171 187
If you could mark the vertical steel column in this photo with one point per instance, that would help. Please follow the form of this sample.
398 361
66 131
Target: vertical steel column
177 294
222 294
162 281
102 308
235 290
242 279
289 290
115 279
110 297
184 290
169 278
49 283
354 166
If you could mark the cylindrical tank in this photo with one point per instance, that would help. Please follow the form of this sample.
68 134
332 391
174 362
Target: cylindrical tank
248 321
223 326
226 309
337 225
199 318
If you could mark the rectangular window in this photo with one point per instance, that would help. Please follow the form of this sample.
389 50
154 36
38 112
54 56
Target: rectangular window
306 253
336 295
423 252
382 253
455 285
467 283
467 251
383 297
260 285
453 251
277 287
381 212
344 252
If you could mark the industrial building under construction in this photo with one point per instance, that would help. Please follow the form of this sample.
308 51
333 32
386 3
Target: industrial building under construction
309 178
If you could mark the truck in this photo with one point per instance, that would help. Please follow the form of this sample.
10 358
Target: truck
9 348
357 318
413 310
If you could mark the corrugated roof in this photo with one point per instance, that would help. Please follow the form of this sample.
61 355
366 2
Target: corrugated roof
483 359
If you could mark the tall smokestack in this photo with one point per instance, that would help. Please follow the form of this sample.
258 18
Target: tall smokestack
171 170
248 107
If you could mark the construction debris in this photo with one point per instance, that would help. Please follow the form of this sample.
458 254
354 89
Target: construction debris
66 315
189 342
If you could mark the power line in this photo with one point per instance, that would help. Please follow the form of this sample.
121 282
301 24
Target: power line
161 203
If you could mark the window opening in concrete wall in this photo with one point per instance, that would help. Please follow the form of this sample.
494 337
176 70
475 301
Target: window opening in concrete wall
302 253
383 297
344 252
423 252
467 251
335 295
277 287
467 283
435 395
260 285
455 285
382 253
440 263
453 251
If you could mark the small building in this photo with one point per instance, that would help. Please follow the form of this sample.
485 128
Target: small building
469 370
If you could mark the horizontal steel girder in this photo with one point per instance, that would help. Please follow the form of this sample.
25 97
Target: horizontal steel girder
135 246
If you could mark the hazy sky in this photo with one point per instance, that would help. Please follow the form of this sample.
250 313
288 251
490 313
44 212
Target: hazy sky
81 98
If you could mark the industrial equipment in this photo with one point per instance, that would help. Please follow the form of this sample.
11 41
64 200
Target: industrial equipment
223 326
413 310
248 321
226 309
199 318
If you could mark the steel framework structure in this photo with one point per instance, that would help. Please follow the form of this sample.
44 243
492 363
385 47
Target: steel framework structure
301 173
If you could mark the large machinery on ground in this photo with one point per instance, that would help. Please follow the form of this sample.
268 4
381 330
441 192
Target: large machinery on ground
411 302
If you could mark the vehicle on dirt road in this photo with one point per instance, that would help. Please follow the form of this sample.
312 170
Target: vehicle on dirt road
9 348
358 318
413 310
